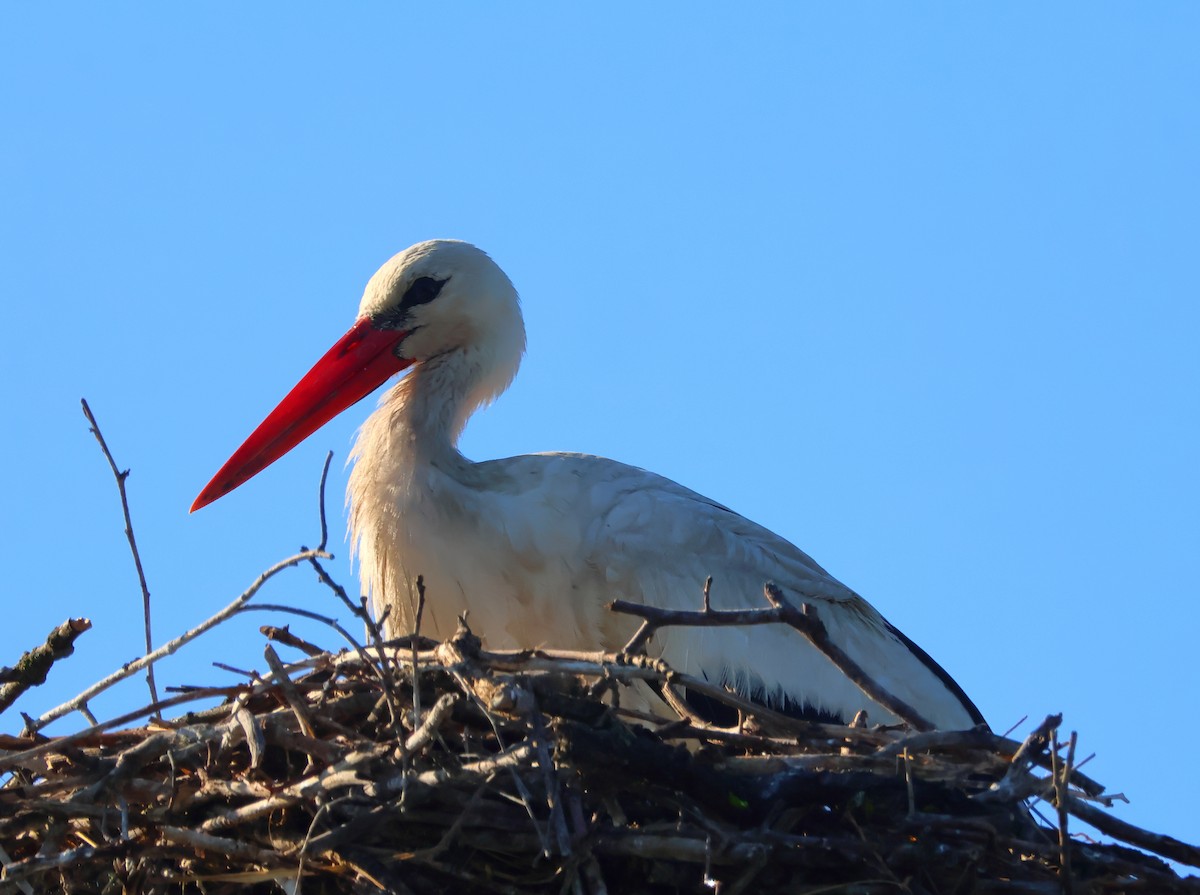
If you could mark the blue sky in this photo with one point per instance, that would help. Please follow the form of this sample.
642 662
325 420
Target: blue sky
916 289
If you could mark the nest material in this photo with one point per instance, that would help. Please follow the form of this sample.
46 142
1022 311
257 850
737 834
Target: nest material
415 767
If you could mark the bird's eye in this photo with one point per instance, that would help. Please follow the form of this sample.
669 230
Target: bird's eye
422 291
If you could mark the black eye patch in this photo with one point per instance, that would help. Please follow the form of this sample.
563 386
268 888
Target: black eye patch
422 291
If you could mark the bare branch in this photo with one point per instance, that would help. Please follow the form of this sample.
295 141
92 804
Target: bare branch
120 477
806 621
803 620
172 647
321 501
287 638
33 666
1167 846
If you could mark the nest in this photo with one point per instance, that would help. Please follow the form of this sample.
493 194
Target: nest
411 766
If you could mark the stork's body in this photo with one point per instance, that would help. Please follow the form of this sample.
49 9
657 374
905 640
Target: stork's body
535 546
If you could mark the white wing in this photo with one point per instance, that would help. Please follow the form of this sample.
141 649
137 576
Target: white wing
661 541
555 537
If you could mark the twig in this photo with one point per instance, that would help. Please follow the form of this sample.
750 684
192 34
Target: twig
173 646
287 638
372 626
803 620
321 501
1167 846
229 847
1016 778
290 693
17 759
431 853
424 734
1062 787
121 476
806 621
33 666
416 638
316 617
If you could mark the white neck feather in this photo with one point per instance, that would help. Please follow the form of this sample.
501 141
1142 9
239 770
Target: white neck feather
407 467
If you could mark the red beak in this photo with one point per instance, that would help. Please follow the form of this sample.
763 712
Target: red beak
360 362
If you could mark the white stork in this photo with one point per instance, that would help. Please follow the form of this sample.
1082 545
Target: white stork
535 546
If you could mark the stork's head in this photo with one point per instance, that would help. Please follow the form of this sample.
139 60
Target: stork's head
443 295
436 299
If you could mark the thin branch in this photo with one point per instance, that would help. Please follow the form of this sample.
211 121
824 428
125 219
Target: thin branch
172 647
290 693
424 734
373 626
314 616
1167 846
121 476
416 638
804 620
17 759
287 638
807 622
379 670
1062 782
321 501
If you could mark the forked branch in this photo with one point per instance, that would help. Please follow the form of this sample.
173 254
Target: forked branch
803 619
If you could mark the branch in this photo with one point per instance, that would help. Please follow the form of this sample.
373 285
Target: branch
804 620
1167 846
137 559
321 501
33 666
172 647
373 626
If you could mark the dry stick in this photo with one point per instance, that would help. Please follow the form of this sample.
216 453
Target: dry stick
424 734
33 866
806 621
1167 846
290 693
1016 778
429 854
1060 773
312 825
372 626
641 637
359 649
173 646
314 616
33 666
459 665
137 559
380 670
243 851
1066 782
803 620
287 638
622 669
57 744
416 639
321 500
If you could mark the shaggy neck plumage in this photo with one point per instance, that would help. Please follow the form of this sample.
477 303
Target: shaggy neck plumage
406 459
416 427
